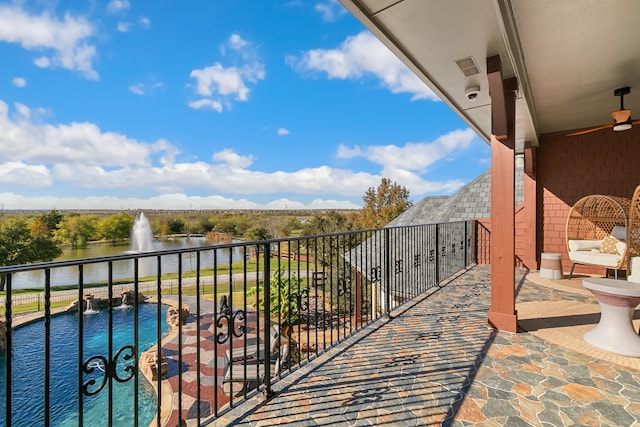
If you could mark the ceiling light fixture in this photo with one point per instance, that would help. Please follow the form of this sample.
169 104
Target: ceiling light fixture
622 126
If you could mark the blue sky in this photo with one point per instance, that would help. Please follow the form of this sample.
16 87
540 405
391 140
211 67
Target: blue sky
131 104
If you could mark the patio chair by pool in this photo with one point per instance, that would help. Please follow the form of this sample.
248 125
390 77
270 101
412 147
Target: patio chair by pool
253 351
241 377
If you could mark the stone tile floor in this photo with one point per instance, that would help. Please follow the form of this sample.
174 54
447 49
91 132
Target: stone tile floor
435 362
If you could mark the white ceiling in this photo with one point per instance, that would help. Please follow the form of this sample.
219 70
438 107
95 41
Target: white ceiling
568 55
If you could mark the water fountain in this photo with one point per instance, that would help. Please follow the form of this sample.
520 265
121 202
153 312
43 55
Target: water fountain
141 235
124 305
89 309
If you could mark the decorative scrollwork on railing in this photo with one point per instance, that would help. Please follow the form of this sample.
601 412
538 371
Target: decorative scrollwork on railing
344 286
432 255
231 329
461 245
443 251
399 266
376 274
417 260
302 299
109 369
453 248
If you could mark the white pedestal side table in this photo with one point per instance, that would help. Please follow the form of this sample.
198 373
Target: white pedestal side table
551 266
618 300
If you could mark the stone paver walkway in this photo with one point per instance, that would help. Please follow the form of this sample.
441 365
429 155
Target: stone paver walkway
185 381
435 362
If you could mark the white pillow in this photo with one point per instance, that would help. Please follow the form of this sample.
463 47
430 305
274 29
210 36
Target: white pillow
619 232
635 266
621 247
584 245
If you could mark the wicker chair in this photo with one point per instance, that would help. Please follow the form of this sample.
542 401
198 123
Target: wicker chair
633 238
591 220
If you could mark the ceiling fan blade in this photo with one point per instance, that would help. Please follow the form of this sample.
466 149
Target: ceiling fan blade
635 122
582 132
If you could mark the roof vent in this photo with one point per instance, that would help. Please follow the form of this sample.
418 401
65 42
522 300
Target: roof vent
468 66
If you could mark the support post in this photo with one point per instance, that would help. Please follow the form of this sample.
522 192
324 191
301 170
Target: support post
502 314
529 214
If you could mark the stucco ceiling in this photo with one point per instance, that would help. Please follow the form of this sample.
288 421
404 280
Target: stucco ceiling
568 55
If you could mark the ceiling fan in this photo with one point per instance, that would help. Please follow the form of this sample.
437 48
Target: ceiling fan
621 117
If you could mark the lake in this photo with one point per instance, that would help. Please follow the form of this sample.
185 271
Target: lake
98 272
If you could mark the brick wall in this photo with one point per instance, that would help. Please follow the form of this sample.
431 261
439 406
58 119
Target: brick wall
484 236
569 168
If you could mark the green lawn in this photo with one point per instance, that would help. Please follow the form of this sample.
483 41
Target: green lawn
222 270
206 291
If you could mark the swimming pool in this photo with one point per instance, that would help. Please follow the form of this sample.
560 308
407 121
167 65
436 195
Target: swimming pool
27 369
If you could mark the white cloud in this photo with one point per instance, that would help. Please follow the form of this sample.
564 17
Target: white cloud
332 204
124 27
19 82
67 38
145 22
362 55
83 156
116 6
89 160
23 111
407 163
22 174
412 156
345 152
283 131
233 159
164 201
42 62
137 89
220 85
146 88
217 79
236 42
330 10
35 143
206 103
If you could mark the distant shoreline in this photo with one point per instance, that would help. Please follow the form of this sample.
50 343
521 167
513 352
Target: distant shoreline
183 211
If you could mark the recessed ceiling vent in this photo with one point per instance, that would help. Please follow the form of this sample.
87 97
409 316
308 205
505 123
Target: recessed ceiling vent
468 66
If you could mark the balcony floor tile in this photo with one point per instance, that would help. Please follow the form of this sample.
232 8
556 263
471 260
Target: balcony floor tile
436 362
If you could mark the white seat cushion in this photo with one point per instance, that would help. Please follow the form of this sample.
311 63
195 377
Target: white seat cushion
595 258
584 245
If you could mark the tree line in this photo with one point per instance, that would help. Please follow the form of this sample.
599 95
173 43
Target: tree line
30 237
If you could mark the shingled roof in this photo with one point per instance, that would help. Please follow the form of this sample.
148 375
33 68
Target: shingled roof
472 201
412 249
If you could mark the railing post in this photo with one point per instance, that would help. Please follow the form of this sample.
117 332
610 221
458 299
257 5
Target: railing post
387 269
475 239
47 345
266 341
8 344
358 303
466 263
437 254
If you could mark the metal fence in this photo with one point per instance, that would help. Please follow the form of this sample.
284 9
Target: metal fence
232 333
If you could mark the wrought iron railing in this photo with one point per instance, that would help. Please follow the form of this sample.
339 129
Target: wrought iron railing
235 328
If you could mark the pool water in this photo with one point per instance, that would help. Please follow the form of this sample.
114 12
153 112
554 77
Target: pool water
27 370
